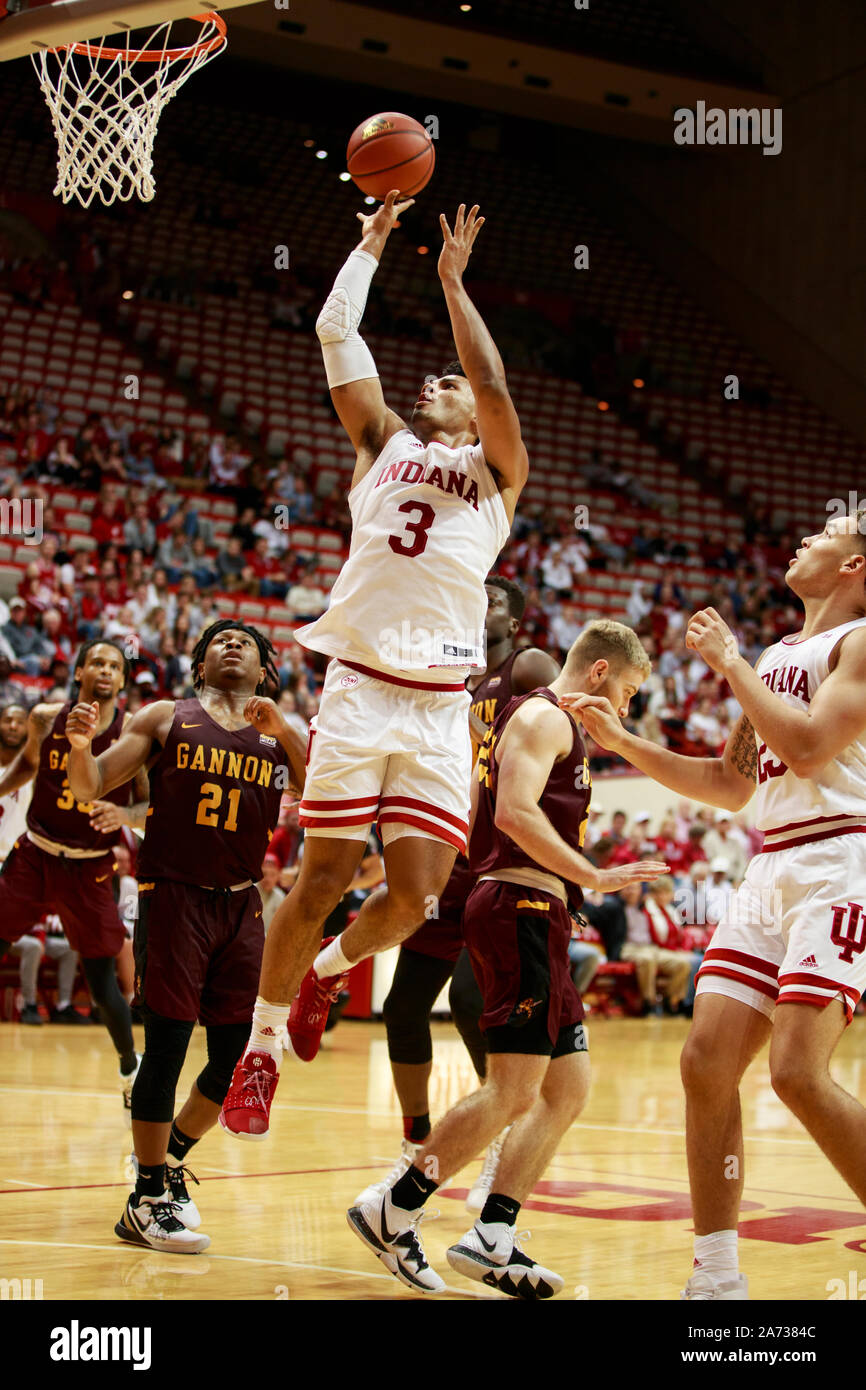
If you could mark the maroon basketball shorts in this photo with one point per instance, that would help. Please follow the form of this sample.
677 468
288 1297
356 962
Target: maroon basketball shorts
441 935
198 951
518 940
34 882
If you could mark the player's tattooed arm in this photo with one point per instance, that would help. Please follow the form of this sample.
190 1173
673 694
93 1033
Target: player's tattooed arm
23 768
807 739
715 781
741 752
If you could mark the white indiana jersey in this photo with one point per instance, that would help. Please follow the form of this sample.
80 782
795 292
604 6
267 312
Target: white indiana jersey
427 525
13 817
793 670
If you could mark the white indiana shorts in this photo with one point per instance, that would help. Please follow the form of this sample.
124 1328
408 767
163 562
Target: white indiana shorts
795 930
392 750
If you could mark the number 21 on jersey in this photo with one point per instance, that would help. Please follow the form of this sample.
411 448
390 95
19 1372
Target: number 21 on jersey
208 807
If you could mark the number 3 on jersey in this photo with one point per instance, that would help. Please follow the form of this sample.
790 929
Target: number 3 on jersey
400 544
768 766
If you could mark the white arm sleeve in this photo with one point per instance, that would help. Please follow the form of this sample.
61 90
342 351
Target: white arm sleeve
347 357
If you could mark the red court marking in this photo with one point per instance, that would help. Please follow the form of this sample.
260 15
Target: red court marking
789 1226
222 1177
800 1225
648 1177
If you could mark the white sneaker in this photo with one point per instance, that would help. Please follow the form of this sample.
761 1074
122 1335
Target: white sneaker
408 1152
490 1253
154 1223
704 1288
176 1176
391 1233
126 1085
483 1185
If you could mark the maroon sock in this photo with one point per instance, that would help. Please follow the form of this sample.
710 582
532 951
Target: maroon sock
416 1128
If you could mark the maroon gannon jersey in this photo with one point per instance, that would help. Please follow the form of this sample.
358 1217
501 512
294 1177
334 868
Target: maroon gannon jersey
214 801
565 801
492 693
53 812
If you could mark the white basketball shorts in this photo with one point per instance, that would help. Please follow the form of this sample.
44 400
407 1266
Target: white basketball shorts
795 930
391 750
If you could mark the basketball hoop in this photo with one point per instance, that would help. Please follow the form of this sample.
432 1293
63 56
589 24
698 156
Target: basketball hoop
105 104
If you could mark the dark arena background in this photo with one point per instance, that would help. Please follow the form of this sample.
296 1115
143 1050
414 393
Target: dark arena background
678 297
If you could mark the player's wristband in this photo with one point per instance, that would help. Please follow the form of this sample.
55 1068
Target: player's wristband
347 357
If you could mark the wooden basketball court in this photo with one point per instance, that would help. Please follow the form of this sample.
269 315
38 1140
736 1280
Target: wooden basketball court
612 1215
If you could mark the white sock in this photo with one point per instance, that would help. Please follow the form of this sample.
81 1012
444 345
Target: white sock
331 960
716 1254
269 1029
62 1004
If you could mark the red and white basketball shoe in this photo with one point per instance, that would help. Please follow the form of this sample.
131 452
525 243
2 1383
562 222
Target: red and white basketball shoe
309 1012
247 1106
703 1287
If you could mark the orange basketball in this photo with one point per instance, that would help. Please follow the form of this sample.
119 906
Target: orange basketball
390 151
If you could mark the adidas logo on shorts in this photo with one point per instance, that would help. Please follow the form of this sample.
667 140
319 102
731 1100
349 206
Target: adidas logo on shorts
808 963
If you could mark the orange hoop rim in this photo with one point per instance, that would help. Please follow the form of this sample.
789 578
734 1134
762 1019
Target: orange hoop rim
154 55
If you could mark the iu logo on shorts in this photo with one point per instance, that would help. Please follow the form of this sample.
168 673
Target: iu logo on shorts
850 932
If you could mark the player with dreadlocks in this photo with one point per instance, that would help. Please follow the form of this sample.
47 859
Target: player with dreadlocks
218 765
63 861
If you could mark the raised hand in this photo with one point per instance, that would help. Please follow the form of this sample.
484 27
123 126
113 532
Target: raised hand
81 724
457 245
379 224
709 635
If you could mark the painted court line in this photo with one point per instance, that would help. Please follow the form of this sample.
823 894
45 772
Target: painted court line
236 1177
387 1114
252 1260
71 1093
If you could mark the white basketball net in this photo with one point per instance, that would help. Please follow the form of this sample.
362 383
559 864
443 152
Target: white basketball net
105 104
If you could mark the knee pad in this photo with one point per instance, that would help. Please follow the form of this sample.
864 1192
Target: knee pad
467 1006
417 982
225 1046
165 1044
408 1027
464 996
